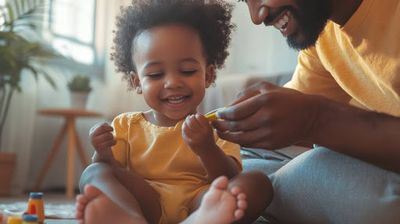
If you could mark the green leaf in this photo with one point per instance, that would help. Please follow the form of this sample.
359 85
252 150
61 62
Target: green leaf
49 79
80 83
33 71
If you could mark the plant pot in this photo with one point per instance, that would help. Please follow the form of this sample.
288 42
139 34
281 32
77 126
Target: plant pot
8 162
78 100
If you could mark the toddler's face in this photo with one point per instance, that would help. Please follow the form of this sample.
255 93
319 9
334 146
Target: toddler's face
172 71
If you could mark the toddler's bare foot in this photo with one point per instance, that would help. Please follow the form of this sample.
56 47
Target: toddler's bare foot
220 205
94 207
83 199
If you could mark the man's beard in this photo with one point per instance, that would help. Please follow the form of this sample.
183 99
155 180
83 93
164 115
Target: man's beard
311 16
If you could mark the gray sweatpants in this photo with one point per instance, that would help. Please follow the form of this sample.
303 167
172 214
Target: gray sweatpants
322 186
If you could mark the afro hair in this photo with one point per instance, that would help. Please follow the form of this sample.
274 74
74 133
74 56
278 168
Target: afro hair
211 19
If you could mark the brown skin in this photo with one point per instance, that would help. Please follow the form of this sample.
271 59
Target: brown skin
264 117
342 10
269 116
272 117
198 134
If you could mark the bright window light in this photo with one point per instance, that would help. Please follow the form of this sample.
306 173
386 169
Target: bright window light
72 24
78 52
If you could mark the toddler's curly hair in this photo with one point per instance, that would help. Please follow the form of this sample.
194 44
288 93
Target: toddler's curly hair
211 19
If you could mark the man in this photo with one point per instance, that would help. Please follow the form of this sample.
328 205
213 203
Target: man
344 97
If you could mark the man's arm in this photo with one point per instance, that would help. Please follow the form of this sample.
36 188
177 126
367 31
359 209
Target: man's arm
370 136
272 117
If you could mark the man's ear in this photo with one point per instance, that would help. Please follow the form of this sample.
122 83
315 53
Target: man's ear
210 75
135 82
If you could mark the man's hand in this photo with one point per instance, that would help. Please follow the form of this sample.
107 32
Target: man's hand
268 116
198 134
102 140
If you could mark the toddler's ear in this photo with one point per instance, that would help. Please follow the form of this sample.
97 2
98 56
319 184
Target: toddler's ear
210 75
135 82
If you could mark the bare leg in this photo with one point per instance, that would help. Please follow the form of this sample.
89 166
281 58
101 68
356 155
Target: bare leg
243 199
219 205
125 189
94 207
258 190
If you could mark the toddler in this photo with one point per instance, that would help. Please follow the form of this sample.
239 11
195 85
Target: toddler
167 165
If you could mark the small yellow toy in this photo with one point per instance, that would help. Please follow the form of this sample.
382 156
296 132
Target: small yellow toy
212 115
14 220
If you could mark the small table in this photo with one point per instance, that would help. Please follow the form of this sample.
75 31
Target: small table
69 130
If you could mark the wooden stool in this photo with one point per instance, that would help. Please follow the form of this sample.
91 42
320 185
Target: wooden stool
69 129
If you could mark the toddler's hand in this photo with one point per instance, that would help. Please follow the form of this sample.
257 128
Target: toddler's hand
102 139
198 134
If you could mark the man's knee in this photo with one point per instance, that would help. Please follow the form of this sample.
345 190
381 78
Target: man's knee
325 186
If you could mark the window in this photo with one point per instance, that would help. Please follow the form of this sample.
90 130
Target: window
72 27
2 15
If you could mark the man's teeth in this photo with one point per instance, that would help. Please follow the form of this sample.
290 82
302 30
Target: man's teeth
176 99
283 22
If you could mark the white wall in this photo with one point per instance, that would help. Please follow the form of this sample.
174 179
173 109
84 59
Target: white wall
258 49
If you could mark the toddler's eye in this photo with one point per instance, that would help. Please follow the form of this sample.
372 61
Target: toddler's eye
188 72
156 75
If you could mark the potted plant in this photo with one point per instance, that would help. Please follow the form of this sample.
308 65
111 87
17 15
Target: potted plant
80 88
18 56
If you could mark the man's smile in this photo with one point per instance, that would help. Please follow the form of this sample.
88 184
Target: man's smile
283 21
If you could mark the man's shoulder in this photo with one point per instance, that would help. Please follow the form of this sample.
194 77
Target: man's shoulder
328 41
330 31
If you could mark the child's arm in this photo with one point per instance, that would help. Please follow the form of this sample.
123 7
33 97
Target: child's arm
198 134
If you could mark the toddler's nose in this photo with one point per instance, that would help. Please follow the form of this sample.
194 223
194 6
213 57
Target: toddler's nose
172 81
